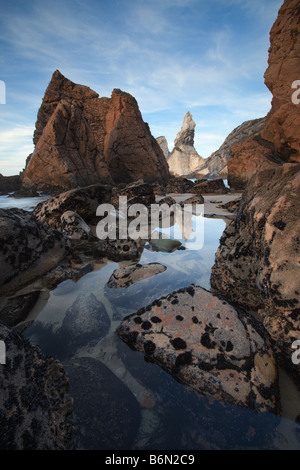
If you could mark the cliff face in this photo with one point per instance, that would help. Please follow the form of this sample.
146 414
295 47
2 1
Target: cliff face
257 263
216 163
279 140
82 139
184 159
283 123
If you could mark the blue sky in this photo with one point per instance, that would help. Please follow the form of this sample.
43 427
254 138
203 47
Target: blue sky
203 56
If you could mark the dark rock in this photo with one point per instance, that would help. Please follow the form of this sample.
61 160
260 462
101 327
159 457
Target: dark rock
106 414
17 308
28 249
9 184
85 320
125 277
33 399
204 186
83 201
74 226
257 263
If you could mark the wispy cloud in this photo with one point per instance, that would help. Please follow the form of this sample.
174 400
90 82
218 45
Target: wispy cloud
172 55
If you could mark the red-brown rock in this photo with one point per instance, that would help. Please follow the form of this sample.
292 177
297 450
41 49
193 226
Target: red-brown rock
279 140
81 139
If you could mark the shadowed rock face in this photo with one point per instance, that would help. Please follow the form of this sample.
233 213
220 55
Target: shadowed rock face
81 139
28 248
283 121
257 263
207 344
279 140
33 397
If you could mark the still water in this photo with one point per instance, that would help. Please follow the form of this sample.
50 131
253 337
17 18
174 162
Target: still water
123 402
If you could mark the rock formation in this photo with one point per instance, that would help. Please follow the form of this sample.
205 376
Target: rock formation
257 263
216 164
208 345
162 142
33 397
184 159
28 249
81 139
279 140
283 121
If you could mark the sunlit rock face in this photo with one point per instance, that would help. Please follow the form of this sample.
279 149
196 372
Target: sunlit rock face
184 159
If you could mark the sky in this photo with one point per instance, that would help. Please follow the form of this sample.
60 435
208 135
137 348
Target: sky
207 57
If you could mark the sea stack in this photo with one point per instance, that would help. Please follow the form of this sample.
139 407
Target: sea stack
81 139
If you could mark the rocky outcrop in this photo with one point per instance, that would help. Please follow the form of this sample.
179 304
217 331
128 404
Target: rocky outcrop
125 277
163 143
74 226
283 121
248 158
83 201
257 263
86 319
33 397
216 164
208 345
206 186
81 139
9 184
184 159
28 249
278 141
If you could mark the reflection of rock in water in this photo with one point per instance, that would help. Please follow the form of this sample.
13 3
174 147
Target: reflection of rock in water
85 320
106 414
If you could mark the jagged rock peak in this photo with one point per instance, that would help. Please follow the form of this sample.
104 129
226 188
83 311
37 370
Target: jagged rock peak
81 139
187 132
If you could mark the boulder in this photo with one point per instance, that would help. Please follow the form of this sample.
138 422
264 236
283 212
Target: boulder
125 277
33 399
208 345
184 159
257 263
179 185
206 186
136 193
74 226
81 139
85 320
83 201
29 249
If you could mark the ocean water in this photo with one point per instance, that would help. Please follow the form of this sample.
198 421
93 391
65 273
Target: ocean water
27 204
169 416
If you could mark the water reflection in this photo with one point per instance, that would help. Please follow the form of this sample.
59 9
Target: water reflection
166 415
